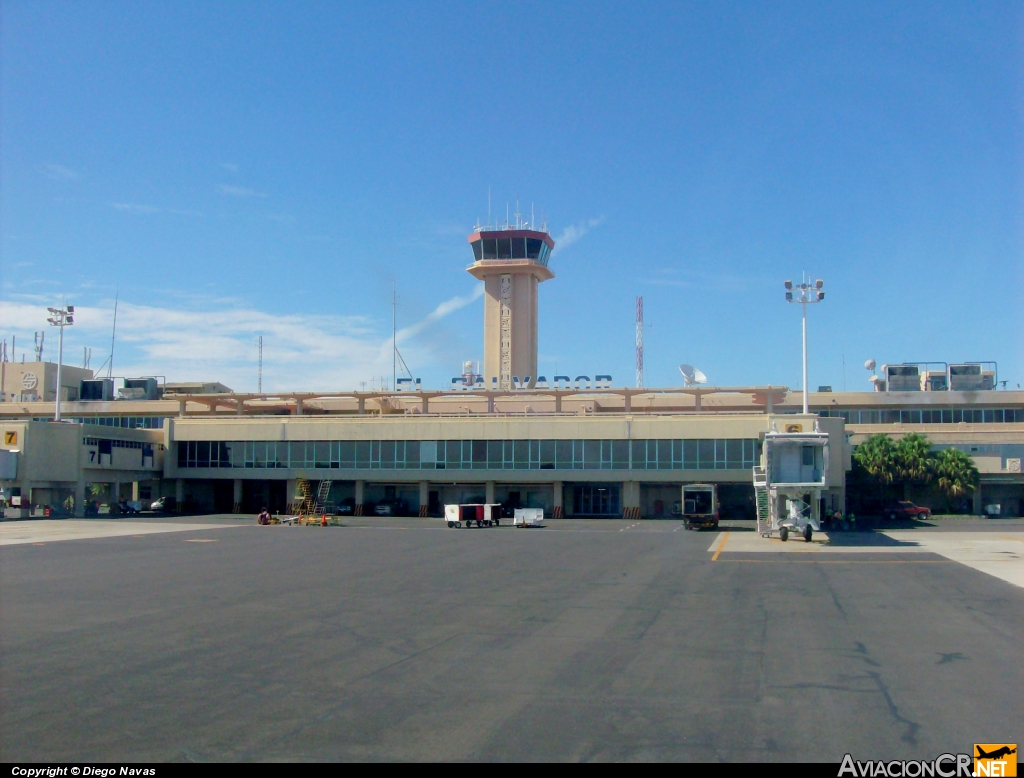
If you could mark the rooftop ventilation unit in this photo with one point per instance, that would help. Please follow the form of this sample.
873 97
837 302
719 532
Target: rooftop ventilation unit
96 389
903 378
971 377
139 389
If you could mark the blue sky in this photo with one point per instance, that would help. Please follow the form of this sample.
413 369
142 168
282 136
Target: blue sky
236 169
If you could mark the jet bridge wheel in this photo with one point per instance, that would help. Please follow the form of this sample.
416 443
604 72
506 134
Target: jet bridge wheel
783 534
808 532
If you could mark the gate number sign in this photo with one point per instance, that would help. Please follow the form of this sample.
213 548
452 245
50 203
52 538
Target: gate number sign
10 438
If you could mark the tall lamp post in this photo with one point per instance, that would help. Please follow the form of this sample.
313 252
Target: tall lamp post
805 293
60 317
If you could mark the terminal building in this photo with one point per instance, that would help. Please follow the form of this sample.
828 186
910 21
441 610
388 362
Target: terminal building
574 446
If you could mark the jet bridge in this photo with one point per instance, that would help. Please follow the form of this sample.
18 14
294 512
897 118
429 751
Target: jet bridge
789 483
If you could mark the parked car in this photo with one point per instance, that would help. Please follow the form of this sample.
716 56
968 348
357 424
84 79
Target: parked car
904 509
397 507
162 504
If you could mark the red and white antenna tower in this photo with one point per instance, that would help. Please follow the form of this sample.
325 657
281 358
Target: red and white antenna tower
639 342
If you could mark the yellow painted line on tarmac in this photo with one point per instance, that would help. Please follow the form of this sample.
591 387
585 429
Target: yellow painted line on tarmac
721 545
840 561
201 540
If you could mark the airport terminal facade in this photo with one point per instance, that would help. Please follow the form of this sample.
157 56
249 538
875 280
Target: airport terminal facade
574 447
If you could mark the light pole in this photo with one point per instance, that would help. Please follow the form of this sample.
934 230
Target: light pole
805 293
60 317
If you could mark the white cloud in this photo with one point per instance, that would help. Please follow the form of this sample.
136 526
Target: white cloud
317 352
58 172
574 232
239 191
150 209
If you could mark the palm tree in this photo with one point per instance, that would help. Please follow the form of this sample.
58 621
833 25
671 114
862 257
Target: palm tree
877 455
914 461
914 458
956 473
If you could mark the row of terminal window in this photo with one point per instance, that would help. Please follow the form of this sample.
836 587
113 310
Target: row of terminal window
694 454
511 248
125 422
930 416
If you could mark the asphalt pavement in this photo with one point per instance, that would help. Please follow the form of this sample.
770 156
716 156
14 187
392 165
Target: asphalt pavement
585 640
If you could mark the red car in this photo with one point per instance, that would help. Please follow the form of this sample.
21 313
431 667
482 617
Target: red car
904 509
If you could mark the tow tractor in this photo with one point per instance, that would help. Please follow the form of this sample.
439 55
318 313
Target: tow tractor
483 515
789 482
700 506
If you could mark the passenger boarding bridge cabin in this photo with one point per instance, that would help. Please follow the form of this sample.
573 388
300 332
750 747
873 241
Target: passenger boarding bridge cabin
791 480
796 460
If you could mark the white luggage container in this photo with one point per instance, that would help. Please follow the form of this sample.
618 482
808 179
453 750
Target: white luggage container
527 517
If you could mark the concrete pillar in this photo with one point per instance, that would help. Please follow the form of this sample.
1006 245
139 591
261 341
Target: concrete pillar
628 404
115 497
490 403
631 500
558 512
80 493
425 404
362 404
977 506
360 491
237 507
181 407
771 408
290 501
135 491
239 406
696 401
489 492
424 496
179 494
298 407
558 403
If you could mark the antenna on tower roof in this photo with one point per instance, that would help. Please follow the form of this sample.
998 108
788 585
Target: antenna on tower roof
488 207
639 342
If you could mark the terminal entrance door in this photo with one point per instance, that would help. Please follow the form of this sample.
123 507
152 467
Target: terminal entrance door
596 500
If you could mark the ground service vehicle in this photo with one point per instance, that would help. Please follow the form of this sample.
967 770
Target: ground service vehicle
485 515
700 506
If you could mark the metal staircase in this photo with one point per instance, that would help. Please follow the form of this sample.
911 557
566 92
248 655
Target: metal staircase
763 501
312 508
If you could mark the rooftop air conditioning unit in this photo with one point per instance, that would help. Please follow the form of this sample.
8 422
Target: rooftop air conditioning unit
96 389
139 389
903 378
970 378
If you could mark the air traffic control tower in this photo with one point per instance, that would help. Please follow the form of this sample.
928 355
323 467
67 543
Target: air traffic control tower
511 260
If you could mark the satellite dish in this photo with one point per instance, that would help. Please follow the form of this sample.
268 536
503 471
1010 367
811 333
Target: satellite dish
692 375
869 365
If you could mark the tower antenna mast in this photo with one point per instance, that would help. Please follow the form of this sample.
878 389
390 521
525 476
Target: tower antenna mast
639 342
394 335
259 375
